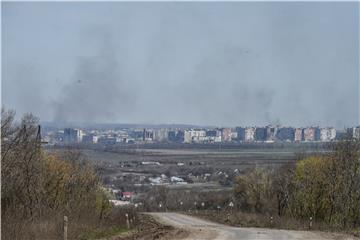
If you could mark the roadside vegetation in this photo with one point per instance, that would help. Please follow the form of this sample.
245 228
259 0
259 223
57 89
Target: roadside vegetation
325 188
39 188
318 192
321 192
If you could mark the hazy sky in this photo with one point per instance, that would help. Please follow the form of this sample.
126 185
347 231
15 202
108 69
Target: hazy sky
222 64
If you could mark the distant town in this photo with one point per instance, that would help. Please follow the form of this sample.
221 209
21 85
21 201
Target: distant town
267 134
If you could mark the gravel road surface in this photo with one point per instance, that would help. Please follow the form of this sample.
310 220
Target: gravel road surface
201 229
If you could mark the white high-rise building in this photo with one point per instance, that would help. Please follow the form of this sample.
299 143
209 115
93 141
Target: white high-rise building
327 134
194 136
249 134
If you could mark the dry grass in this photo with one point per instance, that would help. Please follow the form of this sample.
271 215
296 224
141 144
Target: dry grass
51 227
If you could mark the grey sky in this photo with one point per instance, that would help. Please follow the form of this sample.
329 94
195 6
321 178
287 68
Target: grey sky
222 64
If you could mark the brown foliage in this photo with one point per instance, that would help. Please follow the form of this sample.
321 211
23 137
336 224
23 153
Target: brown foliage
39 188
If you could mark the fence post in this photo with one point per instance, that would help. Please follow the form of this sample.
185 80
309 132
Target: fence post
65 227
127 221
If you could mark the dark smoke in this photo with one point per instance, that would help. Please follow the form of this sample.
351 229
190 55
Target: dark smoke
98 90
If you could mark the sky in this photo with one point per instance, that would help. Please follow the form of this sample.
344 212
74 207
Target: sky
205 63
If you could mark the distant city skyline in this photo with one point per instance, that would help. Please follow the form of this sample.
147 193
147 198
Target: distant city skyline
84 125
114 135
202 63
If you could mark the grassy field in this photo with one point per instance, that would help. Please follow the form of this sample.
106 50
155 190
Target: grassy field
203 168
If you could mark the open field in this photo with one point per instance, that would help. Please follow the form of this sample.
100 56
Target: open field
202 169
193 157
205 169
183 162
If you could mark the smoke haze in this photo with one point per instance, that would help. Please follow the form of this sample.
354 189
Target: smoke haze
223 64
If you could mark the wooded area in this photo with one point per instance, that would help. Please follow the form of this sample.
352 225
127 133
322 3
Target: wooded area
38 188
325 187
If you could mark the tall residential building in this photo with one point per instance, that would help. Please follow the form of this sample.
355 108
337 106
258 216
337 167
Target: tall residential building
298 135
214 135
354 132
311 134
179 136
188 136
194 136
234 135
172 136
327 134
271 133
240 133
285 134
249 134
72 135
160 135
90 138
332 133
226 134
260 134
148 135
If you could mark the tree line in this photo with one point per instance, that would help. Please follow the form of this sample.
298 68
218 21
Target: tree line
325 187
38 188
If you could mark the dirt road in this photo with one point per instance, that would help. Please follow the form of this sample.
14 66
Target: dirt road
201 229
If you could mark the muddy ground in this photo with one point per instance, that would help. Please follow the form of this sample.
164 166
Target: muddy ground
150 229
